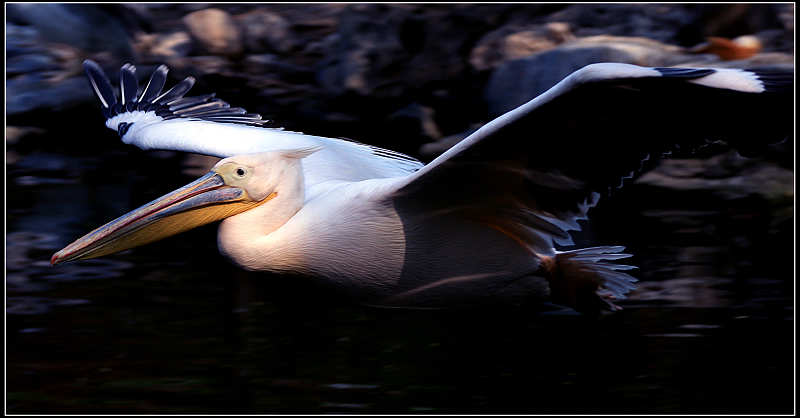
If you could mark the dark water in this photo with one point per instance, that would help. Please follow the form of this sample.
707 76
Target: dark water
171 328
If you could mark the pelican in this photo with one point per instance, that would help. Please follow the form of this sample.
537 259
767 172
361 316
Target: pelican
481 221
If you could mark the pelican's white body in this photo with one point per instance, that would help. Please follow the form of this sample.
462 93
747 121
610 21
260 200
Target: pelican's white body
353 235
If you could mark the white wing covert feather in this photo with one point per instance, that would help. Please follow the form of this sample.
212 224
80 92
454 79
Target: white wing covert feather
208 125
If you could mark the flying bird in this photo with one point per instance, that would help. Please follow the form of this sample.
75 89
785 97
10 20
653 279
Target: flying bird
481 221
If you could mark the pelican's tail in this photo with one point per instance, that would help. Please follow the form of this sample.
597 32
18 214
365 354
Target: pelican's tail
586 280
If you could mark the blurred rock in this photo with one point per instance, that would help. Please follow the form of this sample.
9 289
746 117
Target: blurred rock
777 60
656 21
727 175
14 134
680 24
209 64
215 32
776 40
28 54
29 63
516 82
368 44
728 21
85 26
414 121
729 49
201 65
161 46
386 51
11 159
433 149
40 74
786 16
440 45
22 40
263 30
346 69
272 65
34 92
510 43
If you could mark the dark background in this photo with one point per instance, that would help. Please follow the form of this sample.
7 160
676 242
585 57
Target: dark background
171 327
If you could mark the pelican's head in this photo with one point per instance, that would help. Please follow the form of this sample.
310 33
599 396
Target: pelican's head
234 185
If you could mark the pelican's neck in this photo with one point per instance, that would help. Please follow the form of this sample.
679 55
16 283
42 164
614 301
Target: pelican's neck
239 234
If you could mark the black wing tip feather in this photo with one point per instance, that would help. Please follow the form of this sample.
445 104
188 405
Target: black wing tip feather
170 105
101 86
775 80
688 73
128 85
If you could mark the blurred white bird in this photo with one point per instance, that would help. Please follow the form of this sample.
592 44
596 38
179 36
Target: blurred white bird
479 222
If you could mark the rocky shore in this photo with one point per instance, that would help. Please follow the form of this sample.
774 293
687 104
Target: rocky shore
412 77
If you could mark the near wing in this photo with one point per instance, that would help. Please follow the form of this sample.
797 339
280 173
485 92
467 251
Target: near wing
534 171
152 119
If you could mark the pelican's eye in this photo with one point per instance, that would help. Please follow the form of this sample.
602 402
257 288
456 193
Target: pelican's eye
241 172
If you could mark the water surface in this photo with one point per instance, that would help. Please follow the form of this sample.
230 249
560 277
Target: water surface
172 328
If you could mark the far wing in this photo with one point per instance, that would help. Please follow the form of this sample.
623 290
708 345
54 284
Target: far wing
534 171
153 119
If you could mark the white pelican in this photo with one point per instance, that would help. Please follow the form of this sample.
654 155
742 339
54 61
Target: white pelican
480 221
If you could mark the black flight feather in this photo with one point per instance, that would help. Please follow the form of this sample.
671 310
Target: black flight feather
169 105
684 72
176 92
128 85
155 85
188 102
100 85
201 108
775 80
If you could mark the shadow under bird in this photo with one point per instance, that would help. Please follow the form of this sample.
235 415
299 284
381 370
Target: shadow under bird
479 222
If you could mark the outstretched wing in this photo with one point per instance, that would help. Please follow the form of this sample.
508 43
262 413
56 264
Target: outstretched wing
534 171
152 119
